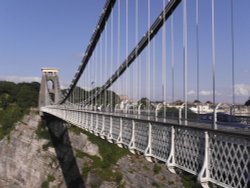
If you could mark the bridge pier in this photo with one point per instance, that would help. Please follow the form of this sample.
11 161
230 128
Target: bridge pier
49 94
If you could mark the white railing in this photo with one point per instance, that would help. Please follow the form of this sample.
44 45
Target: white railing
219 157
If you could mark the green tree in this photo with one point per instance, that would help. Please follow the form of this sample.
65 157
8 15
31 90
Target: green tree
5 100
15 100
247 103
11 115
146 103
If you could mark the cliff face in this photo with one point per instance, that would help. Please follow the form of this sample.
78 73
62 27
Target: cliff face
72 160
23 162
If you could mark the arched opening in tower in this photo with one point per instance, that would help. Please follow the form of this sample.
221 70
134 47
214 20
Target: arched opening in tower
51 90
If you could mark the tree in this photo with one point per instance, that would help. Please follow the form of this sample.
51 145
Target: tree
5 100
15 99
146 103
178 102
209 102
247 103
197 102
27 96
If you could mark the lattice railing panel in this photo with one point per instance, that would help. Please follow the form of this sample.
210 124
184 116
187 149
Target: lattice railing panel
99 129
229 160
115 127
93 121
141 136
84 119
223 156
161 141
189 149
87 120
95 124
126 131
80 119
107 125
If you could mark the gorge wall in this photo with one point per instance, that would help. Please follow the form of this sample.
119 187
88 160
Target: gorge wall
72 158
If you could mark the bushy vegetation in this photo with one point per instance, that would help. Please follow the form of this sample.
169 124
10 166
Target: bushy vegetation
45 184
189 180
157 169
107 97
110 154
41 131
15 101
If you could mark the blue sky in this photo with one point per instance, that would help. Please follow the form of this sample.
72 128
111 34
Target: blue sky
53 33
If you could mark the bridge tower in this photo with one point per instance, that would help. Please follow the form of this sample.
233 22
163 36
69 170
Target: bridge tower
50 88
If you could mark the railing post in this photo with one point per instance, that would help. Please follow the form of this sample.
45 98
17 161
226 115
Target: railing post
110 137
95 108
215 117
148 151
132 141
103 127
96 125
107 108
171 158
86 121
91 128
119 139
70 116
73 116
116 106
126 109
100 107
158 107
180 113
82 119
156 114
64 115
139 109
79 118
203 176
180 116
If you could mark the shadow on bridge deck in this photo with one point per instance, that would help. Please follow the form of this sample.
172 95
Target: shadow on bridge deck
64 151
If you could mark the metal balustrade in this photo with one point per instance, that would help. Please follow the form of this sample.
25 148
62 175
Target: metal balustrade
215 156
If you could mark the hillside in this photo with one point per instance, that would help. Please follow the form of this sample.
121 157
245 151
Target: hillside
15 101
69 157
47 152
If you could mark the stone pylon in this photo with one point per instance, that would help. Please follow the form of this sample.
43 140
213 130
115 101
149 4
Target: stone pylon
50 88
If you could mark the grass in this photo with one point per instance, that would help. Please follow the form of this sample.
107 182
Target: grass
102 167
47 145
8 119
155 184
85 171
45 184
51 178
189 180
156 169
42 131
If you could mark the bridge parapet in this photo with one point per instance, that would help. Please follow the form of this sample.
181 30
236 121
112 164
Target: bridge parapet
220 157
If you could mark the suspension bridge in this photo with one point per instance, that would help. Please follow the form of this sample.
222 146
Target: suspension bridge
136 67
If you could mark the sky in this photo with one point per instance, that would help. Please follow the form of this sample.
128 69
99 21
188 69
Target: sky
53 33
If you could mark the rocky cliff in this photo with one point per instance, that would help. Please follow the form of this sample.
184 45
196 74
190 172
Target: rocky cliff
73 158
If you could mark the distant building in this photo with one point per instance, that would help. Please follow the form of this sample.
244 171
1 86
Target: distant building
242 110
123 97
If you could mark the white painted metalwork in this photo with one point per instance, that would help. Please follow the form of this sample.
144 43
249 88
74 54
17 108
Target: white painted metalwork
219 157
